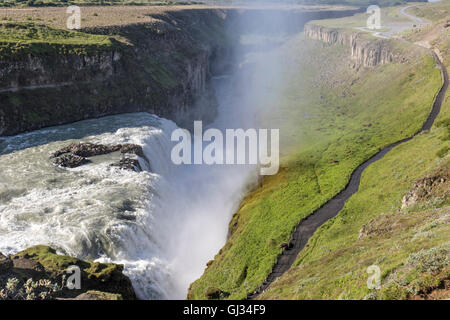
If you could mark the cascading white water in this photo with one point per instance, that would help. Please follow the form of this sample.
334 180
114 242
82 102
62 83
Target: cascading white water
94 211
164 223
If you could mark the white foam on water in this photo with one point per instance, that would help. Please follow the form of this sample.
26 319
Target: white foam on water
163 224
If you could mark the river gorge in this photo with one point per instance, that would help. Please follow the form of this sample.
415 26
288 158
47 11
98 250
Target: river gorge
165 222
200 231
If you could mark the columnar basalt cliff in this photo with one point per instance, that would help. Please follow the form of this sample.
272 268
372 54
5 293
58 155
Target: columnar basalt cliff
364 52
163 67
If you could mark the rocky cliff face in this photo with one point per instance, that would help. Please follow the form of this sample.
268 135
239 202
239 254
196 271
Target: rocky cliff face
163 67
363 52
47 71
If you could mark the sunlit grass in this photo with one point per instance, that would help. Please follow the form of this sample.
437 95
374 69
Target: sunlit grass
336 119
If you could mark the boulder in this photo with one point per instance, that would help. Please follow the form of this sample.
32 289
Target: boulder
70 161
42 262
132 149
75 154
86 149
215 294
6 263
98 295
436 184
128 164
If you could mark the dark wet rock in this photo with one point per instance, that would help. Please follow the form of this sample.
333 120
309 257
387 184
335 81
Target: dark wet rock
70 161
133 149
215 294
87 149
75 154
128 164
126 217
286 245
5 263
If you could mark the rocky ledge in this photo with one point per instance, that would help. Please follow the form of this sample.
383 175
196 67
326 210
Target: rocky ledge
363 52
435 185
39 273
76 154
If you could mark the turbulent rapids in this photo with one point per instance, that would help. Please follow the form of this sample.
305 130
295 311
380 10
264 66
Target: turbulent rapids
163 223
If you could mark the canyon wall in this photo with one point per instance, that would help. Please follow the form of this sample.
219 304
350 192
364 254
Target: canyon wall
163 67
364 52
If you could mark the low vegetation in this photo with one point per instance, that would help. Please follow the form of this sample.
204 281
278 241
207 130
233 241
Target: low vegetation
331 119
14 289
24 38
409 244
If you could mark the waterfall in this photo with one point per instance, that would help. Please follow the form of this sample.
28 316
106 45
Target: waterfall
163 223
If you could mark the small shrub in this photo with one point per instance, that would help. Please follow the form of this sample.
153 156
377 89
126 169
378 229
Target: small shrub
442 152
42 289
432 260
393 292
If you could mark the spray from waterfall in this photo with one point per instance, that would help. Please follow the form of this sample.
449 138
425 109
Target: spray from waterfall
163 224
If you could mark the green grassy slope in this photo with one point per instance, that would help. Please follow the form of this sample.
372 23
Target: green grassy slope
334 263
29 38
336 119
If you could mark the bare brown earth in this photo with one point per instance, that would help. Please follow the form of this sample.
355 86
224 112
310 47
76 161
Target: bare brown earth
436 294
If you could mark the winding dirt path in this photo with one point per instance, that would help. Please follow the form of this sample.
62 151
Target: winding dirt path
306 227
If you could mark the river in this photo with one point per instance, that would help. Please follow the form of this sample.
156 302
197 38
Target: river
163 223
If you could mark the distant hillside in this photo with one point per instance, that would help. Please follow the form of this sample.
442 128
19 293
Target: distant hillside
383 3
47 3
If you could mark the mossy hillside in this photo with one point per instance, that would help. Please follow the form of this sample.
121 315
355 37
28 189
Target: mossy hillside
397 235
57 264
28 38
331 119
99 295
106 277
400 235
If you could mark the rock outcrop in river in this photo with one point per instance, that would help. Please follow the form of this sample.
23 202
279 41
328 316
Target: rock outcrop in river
76 154
40 273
